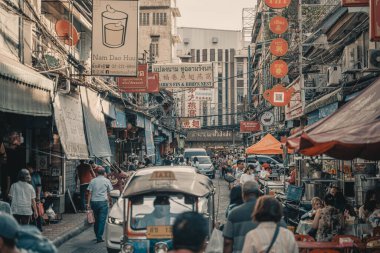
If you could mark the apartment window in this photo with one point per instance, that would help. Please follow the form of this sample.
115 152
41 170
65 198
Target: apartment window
212 54
144 19
192 55
160 19
198 55
220 55
226 55
154 45
240 96
240 69
240 83
204 55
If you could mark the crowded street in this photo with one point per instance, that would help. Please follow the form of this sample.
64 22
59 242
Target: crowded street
190 126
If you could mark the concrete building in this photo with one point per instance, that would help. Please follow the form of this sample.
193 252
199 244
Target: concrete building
157 30
224 48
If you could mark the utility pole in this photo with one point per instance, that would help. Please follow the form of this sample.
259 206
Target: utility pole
300 54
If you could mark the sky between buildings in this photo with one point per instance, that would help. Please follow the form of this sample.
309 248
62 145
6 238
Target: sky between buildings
215 14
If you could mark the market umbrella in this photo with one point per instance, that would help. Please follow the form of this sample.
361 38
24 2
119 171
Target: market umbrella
266 146
352 131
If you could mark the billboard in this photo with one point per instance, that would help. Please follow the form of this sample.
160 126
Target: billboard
249 126
374 20
185 75
114 37
191 124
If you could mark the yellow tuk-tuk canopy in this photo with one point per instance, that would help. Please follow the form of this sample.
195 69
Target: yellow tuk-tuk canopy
266 146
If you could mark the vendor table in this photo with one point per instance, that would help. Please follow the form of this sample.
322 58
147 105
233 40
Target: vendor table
328 245
349 229
272 185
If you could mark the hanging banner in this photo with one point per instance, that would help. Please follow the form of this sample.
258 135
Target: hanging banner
150 149
278 25
374 20
249 126
191 123
279 68
185 75
134 84
277 4
114 37
68 117
278 47
355 3
278 95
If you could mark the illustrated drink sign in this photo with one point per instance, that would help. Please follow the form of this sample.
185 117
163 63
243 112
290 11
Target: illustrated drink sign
114 38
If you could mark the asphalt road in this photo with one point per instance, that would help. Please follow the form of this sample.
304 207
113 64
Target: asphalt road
85 242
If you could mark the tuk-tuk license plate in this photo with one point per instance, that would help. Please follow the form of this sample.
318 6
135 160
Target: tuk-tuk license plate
158 232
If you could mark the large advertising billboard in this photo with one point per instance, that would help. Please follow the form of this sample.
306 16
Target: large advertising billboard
114 37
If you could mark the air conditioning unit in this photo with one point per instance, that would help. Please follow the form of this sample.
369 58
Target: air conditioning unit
374 59
320 81
214 40
350 57
334 74
186 41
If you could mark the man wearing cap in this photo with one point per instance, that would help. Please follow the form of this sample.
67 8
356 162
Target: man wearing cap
292 176
8 234
99 199
239 221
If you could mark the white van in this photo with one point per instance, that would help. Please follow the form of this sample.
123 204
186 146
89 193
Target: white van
189 152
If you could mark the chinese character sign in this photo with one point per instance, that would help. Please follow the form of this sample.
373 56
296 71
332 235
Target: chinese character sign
114 38
278 25
191 123
279 69
185 75
278 47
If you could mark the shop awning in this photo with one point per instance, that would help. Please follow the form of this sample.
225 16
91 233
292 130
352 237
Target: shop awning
69 121
96 132
352 131
23 90
266 146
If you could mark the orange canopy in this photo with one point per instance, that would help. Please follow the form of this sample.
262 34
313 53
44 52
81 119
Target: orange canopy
266 146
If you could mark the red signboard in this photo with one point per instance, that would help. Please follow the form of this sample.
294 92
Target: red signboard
278 47
278 95
278 25
355 3
279 68
249 126
277 4
374 20
191 123
134 84
153 82
295 109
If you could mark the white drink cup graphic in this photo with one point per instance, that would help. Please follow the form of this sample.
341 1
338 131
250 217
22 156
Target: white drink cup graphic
114 25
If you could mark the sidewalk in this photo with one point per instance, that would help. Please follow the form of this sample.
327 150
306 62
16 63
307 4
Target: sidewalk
70 226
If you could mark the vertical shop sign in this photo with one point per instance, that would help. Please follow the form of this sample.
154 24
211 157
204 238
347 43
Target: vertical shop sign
278 25
114 37
278 47
277 4
374 20
279 68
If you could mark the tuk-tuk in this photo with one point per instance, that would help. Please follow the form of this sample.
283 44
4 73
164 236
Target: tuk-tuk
152 200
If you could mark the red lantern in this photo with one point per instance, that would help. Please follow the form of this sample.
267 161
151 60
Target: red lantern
279 47
278 25
279 68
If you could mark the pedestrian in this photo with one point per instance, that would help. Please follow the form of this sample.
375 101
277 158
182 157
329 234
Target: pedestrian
85 174
248 175
236 199
94 167
23 198
269 236
292 177
239 221
147 161
8 234
37 186
190 230
99 200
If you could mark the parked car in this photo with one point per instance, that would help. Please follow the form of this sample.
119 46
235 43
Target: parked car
205 166
189 152
276 166
130 227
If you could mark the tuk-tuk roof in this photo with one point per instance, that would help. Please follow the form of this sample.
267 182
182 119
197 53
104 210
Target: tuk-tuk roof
176 179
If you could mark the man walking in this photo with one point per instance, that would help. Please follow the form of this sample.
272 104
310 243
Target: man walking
84 173
239 221
99 199
23 198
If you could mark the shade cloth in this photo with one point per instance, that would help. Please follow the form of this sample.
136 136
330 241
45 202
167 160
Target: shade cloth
96 132
23 90
266 146
352 131
68 117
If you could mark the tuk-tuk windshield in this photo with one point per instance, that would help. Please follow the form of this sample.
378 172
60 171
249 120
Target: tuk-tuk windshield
157 210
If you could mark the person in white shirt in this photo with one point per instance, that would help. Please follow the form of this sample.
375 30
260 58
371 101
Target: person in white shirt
268 213
248 175
23 198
